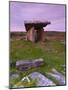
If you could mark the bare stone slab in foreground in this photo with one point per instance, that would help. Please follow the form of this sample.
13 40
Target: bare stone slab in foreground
41 79
58 76
27 64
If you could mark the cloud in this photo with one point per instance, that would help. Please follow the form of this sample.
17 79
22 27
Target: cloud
34 11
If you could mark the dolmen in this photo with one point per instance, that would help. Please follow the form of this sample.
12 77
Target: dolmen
34 29
28 64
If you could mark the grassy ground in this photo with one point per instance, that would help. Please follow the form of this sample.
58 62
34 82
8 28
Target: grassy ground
52 51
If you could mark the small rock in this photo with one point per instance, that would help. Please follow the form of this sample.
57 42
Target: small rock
26 79
14 76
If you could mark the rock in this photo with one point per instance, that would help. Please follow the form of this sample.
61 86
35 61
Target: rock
27 64
58 76
56 72
26 79
14 76
41 79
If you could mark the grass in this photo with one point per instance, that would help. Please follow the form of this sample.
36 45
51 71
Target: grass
32 83
52 51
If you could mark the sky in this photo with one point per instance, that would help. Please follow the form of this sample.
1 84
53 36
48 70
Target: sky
20 11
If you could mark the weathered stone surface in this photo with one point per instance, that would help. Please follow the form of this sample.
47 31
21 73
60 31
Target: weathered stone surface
58 76
26 79
27 64
14 76
41 79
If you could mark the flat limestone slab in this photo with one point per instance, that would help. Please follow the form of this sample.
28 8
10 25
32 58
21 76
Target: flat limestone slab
58 76
37 22
41 79
27 64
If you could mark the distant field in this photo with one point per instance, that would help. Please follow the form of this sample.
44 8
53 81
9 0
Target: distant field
52 50
49 35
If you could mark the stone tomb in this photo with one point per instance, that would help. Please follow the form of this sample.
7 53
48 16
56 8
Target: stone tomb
35 31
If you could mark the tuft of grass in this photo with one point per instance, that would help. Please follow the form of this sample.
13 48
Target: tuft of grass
12 82
32 83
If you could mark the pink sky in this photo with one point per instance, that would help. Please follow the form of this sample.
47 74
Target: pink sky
20 11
